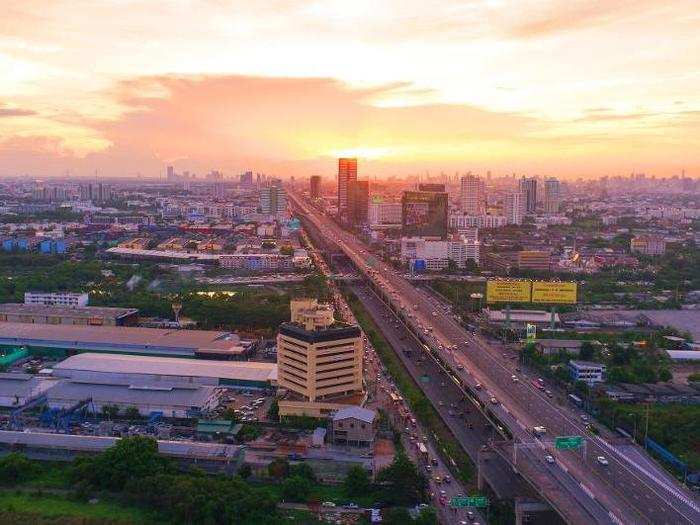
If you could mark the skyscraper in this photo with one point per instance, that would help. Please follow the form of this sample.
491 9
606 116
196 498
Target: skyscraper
347 171
515 207
552 196
473 195
247 178
529 188
170 173
315 186
273 199
358 201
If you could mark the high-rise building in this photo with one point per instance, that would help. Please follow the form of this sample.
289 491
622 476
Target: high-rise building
473 195
552 196
424 214
170 173
380 213
273 200
315 186
247 178
431 186
347 171
529 188
358 201
318 360
515 207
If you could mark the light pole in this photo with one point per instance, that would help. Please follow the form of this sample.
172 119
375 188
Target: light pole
634 434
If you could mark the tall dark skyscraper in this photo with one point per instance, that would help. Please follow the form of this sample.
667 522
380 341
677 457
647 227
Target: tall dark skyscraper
347 171
358 201
424 214
528 187
315 186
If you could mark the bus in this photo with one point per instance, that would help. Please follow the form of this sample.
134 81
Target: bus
575 400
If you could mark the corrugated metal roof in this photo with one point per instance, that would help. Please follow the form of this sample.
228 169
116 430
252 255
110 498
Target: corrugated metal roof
363 414
168 366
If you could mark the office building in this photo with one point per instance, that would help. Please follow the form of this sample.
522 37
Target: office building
273 200
424 214
358 201
247 178
462 222
319 362
56 298
472 195
169 173
552 196
431 186
315 186
435 255
528 187
347 172
515 207
586 371
384 213
650 245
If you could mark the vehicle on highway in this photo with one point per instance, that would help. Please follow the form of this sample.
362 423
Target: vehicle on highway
494 401
514 378
549 458
539 430
602 460
328 504
477 386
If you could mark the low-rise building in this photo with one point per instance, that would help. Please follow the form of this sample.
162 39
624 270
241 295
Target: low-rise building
67 315
354 426
538 260
651 245
56 298
587 371
549 347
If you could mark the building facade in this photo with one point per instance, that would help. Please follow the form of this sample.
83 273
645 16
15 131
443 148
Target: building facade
528 186
56 298
472 195
347 171
552 196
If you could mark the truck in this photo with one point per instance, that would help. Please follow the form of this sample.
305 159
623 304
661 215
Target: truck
422 452
539 431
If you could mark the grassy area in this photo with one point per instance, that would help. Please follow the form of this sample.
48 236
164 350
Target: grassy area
31 508
421 406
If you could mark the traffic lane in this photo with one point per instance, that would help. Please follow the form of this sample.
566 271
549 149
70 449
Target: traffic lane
360 262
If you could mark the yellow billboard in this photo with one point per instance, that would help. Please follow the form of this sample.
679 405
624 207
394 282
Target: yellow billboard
553 292
507 291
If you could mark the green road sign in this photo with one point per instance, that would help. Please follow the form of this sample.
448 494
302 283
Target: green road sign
568 442
425 378
469 501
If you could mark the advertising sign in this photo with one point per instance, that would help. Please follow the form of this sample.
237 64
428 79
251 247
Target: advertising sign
553 292
508 291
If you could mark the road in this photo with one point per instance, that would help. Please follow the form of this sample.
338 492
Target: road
618 488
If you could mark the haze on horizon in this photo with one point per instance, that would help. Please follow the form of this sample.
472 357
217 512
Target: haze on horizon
565 88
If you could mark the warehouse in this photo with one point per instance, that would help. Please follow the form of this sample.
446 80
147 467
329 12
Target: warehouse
155 370
68 340
17 389
66 447
70 315
172 400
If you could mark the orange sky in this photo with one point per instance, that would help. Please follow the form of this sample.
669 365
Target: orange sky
567 88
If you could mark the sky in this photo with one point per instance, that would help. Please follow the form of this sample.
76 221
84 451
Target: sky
571 88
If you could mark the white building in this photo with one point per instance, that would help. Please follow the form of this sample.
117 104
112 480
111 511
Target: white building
437 254
273 200
587 371
380 213
56 298
515 207
473 195
462 222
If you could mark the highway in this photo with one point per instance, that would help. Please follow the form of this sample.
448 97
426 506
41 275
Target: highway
614 493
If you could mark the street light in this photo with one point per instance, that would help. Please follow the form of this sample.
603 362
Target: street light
634 434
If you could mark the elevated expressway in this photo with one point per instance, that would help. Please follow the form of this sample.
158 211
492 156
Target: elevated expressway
576 484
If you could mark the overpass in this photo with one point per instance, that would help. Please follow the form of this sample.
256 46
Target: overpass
578 487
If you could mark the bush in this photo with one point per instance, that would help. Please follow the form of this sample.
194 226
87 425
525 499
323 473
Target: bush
16 468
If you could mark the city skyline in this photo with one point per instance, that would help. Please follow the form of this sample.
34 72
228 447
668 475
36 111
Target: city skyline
557 89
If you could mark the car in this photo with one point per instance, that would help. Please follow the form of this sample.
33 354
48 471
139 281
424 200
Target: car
447 479
514 378
477 386
352 505
470 515
602 460
549 393
328 504
584 417
549 458
494 401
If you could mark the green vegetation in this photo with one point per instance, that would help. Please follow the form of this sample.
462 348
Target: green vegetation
676 427
421 406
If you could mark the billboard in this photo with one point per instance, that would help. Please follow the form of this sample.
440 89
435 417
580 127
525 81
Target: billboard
424 214
508 291
553 292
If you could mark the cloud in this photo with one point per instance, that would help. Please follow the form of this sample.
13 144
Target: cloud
15 112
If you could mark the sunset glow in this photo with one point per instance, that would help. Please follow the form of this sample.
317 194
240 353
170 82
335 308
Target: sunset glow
568 88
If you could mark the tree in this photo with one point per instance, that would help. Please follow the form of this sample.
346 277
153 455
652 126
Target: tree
303 470
245 471
278 469
587 351
130 458
15 468
403 483
273 412
665 375
397 516
132 413
427 516
357 482
110 411
296 488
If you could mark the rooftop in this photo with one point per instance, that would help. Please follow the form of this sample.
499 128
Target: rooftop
363 414
120 339
331 333
66 311
169 366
